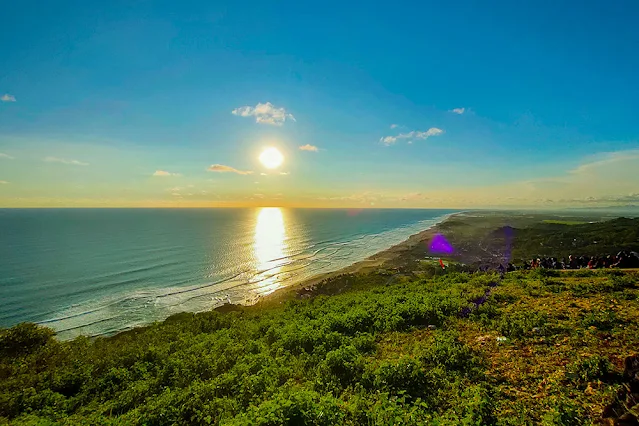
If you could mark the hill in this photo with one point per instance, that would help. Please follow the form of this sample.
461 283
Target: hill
541 349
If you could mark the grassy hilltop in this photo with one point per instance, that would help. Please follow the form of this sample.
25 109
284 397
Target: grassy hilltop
546 347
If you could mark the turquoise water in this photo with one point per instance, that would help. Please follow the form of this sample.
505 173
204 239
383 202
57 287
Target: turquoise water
99 271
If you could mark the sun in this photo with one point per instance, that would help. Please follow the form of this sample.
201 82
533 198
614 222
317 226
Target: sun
271 158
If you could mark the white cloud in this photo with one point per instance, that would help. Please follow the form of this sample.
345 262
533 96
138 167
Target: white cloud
264 114
165 173
389 140
433 131
394 126
8 98
415 134
459 111
3 182
309 147
65 161
285 173
220 168
262 174
7 156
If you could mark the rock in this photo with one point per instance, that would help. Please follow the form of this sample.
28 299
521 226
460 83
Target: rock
631 368
432 327
626 412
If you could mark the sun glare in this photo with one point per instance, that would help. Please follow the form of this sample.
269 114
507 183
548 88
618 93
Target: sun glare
271 158
270 246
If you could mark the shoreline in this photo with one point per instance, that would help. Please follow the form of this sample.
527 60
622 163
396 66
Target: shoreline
466 230
374 262
382 259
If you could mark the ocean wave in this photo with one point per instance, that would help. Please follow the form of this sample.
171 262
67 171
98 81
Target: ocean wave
115 313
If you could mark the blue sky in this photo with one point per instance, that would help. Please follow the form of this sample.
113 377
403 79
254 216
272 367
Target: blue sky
99 96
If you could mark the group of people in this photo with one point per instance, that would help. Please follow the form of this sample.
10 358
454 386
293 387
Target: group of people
623 259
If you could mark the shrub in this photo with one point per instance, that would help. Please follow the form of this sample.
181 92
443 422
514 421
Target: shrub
404 376
602 320
345 364
452 355
293 406
364 342
564 411
23 338
479 407
520 324
541 273
623 282
592 368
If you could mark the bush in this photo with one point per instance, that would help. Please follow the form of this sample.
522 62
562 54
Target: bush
479 408
543 273
564 411
404 376
592 368
623 282
602 320
364 342
23 338
362 357
452 355
293 406
520 324
345 364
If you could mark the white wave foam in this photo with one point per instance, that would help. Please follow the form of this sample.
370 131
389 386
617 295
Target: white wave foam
140 307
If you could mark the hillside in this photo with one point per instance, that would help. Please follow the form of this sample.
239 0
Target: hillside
494 239
387 350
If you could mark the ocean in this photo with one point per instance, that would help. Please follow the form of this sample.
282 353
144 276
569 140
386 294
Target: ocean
100 271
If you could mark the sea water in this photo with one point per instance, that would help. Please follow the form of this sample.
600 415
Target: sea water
100 271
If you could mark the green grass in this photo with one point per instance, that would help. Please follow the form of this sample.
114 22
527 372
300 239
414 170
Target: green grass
365 356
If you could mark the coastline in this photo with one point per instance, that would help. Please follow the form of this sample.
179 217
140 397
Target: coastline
393 258
404 318
291 288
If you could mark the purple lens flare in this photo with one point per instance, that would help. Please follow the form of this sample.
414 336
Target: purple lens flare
509 235
440 245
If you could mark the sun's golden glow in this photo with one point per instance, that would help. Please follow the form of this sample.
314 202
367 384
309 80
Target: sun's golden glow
270 247
271 158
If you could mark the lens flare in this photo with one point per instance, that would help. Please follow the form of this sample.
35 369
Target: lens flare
440 245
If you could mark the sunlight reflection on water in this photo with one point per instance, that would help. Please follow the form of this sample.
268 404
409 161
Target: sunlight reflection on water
270 247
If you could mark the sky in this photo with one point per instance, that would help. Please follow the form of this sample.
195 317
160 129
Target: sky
372 104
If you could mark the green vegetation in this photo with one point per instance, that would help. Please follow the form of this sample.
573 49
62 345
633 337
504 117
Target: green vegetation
543 349
564 222
590 239
491 239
